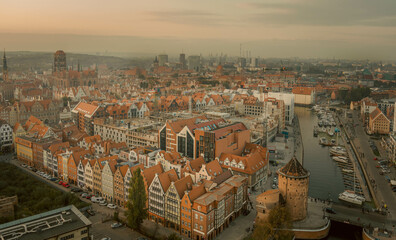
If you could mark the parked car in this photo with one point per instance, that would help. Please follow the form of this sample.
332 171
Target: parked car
106 238
65 184
91 212
53 179
83 195
24 165
375 159
330 210
116 225
111 206
141 238
103 203
88 197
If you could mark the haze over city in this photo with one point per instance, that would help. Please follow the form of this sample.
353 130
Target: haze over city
198 120
284 28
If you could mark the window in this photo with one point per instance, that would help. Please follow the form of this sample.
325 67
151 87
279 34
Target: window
201 218
196 226
200 227
196 216
70 236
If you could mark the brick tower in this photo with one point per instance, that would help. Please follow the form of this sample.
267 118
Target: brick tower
293 186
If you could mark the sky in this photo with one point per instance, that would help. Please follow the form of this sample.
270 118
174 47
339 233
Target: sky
268 28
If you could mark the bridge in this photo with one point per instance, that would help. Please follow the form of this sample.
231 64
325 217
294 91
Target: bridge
358 217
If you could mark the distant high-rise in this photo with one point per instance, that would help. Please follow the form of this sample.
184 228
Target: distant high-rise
194 63
162 59
182 60
5 68
59 61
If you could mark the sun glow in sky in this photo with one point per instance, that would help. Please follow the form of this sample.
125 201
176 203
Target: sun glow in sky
307 28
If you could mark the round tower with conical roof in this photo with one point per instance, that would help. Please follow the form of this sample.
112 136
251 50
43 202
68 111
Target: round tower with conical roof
293 185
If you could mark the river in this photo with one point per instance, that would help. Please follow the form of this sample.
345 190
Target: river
326 178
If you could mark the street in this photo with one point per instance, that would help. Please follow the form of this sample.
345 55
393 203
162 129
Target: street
380 185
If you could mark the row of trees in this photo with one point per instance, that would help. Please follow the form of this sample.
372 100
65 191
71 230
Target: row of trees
355 94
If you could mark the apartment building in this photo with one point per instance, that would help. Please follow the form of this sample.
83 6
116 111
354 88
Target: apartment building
206 213
134 135
84 114
211 142
81 173
288 99
30 150
179 136
97 177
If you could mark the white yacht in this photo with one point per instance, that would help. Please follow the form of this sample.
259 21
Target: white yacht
351 197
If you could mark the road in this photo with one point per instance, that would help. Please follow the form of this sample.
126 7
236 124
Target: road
381 186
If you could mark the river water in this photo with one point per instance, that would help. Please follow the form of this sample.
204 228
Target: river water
326 178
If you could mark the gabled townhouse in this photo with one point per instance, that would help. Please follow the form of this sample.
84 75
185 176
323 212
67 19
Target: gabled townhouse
119 185
108 172
97 177
209 171
156 196
148 176
172 201
51 158
81 173
127 180
187 216
72 165
170 160
89 175
6 135
88 142
378 122
192 167
252 164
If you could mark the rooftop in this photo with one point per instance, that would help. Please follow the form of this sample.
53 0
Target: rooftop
45 225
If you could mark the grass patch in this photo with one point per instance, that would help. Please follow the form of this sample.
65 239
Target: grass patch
34 196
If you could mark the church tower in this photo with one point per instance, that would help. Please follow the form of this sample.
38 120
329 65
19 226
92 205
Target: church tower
5 68
59 62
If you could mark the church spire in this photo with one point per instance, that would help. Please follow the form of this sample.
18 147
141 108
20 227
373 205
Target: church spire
5 68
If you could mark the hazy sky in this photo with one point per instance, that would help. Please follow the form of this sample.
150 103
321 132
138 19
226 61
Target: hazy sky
268 28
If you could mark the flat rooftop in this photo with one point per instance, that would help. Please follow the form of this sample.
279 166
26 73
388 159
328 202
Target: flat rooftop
45 225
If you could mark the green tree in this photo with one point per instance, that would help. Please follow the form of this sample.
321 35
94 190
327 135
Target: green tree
173 236
227 84
168 83
136 206
274 227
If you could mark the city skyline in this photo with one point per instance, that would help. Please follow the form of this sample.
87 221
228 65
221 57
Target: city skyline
303 28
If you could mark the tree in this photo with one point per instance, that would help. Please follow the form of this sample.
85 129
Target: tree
168 83
227 84
173 236
274 227
136 205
